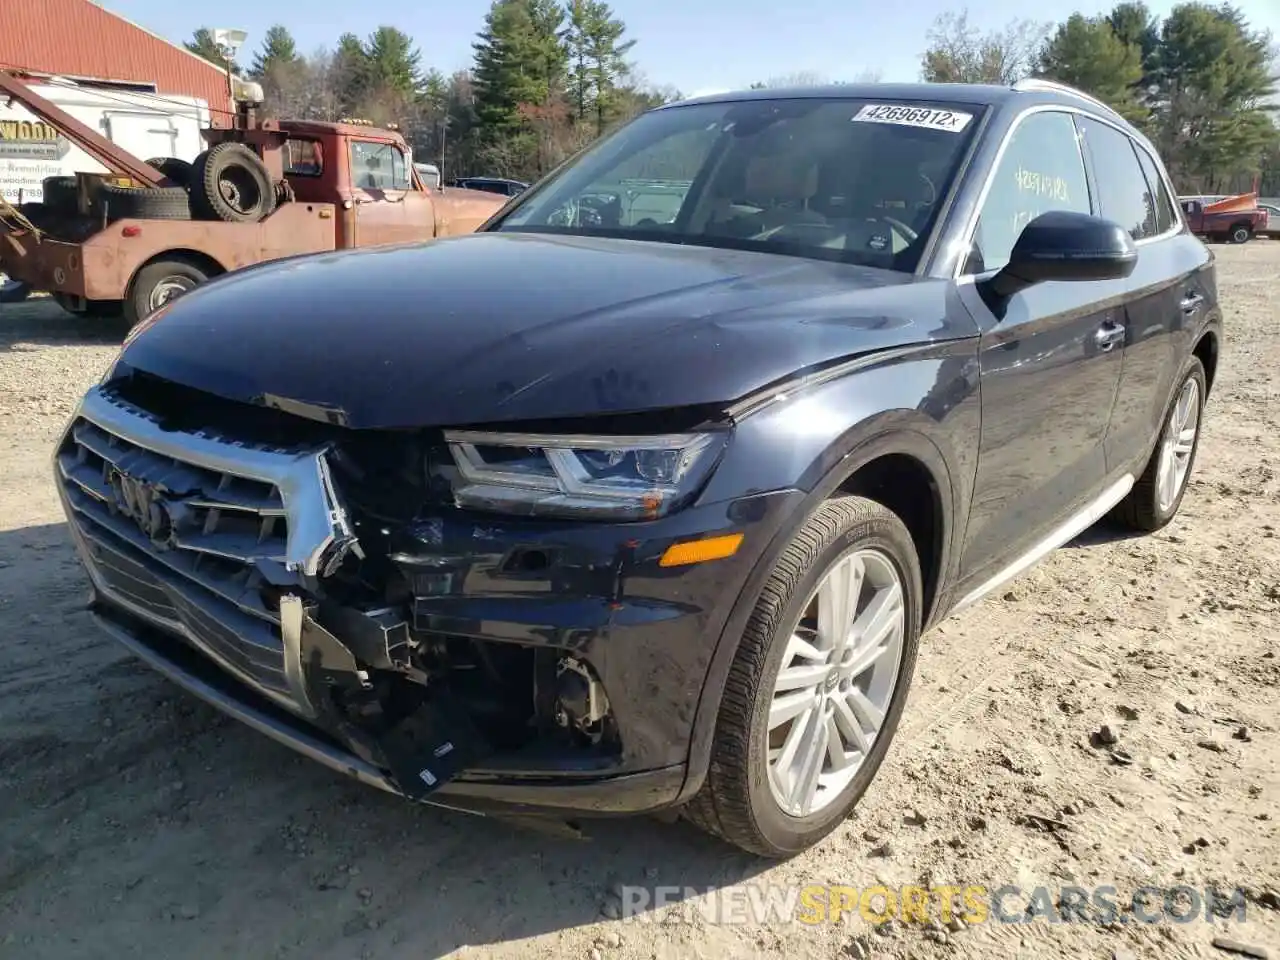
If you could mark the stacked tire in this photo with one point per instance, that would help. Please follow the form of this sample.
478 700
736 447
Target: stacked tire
228 182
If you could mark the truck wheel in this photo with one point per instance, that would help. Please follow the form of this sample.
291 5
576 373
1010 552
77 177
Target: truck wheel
817 684
144 203
158 283
1241 233
230 182
177 172
60 194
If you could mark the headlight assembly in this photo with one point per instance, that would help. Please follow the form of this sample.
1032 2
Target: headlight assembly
610 478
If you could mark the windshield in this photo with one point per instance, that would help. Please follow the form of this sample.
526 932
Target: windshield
837 179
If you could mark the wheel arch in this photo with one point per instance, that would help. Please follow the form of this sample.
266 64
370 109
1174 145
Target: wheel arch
1206 351
916 466
196 258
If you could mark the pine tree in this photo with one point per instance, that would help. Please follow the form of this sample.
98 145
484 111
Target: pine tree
392 63
1135 25
1214 87
597 58
202 45
521 64
349 69
1086 53
278 50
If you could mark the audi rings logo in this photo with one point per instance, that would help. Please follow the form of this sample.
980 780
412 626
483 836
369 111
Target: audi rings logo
143 503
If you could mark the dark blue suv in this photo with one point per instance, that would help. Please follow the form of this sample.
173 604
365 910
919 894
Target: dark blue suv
643 495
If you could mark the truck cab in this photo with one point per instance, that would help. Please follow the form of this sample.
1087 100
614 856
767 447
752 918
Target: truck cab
369 174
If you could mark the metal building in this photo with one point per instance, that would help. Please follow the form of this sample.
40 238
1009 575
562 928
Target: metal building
81 40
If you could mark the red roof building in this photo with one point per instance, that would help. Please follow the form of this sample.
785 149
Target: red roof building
83 41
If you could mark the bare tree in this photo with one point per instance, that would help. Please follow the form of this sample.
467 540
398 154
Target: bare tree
959 52
801 78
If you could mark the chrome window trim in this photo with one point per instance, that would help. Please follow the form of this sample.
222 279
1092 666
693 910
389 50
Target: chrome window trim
965 240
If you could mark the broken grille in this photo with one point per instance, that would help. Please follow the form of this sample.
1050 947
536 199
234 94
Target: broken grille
197 533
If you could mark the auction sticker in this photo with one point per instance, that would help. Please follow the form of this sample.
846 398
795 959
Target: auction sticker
953 121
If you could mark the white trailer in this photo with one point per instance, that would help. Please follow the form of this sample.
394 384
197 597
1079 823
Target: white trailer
145 124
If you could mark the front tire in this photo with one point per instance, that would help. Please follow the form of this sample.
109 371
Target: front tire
1155 498
818 683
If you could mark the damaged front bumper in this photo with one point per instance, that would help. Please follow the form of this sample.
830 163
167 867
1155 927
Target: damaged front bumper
208 558
485 789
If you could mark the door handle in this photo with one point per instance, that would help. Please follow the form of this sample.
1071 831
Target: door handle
1191 302
1108 335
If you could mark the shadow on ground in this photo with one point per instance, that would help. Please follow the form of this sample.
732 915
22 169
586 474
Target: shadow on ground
41 322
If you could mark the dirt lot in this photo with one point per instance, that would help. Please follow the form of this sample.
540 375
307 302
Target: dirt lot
138 823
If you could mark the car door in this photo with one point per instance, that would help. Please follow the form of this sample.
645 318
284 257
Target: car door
391 207
1163 296
1050 362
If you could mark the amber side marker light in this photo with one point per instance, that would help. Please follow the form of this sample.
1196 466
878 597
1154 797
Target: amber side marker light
696 551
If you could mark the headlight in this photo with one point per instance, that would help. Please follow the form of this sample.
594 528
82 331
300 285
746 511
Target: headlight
613 478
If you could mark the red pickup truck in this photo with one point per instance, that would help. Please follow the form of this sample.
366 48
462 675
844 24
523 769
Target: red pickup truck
1237 219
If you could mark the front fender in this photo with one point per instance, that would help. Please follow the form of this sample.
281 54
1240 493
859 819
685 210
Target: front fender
923 405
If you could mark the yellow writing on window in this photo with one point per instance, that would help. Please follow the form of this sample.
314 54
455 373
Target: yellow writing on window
1042 184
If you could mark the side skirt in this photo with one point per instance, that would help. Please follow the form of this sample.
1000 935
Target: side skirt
1064 533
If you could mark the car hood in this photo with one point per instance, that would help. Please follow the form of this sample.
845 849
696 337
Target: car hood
509 327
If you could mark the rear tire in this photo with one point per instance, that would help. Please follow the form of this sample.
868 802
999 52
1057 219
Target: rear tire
752 796
61 194
157 284
231 183
177 172
1241 233
1151 505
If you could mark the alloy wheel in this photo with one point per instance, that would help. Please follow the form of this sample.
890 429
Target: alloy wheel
1177 445
837 679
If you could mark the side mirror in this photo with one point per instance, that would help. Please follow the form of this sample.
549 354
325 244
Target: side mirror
1061 245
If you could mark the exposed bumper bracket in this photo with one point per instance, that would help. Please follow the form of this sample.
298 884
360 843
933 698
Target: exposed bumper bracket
421 751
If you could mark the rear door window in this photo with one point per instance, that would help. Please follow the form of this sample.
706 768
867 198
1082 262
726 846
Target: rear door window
303 158
1123 194
1165 216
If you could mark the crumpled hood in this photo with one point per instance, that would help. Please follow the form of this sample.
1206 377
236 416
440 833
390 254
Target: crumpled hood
505 327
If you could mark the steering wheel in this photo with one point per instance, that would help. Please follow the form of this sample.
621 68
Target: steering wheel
909 233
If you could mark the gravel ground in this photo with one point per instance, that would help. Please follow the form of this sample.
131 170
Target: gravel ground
139 823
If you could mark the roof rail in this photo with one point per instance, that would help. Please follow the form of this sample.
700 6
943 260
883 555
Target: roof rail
1039 83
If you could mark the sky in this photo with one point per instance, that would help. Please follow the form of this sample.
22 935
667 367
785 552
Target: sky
692 45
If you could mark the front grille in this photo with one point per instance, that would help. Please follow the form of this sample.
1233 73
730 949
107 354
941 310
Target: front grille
197 532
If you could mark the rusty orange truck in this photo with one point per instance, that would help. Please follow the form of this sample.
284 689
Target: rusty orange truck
132 239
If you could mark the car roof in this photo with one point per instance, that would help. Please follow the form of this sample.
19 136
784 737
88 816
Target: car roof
970 93
1032 91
